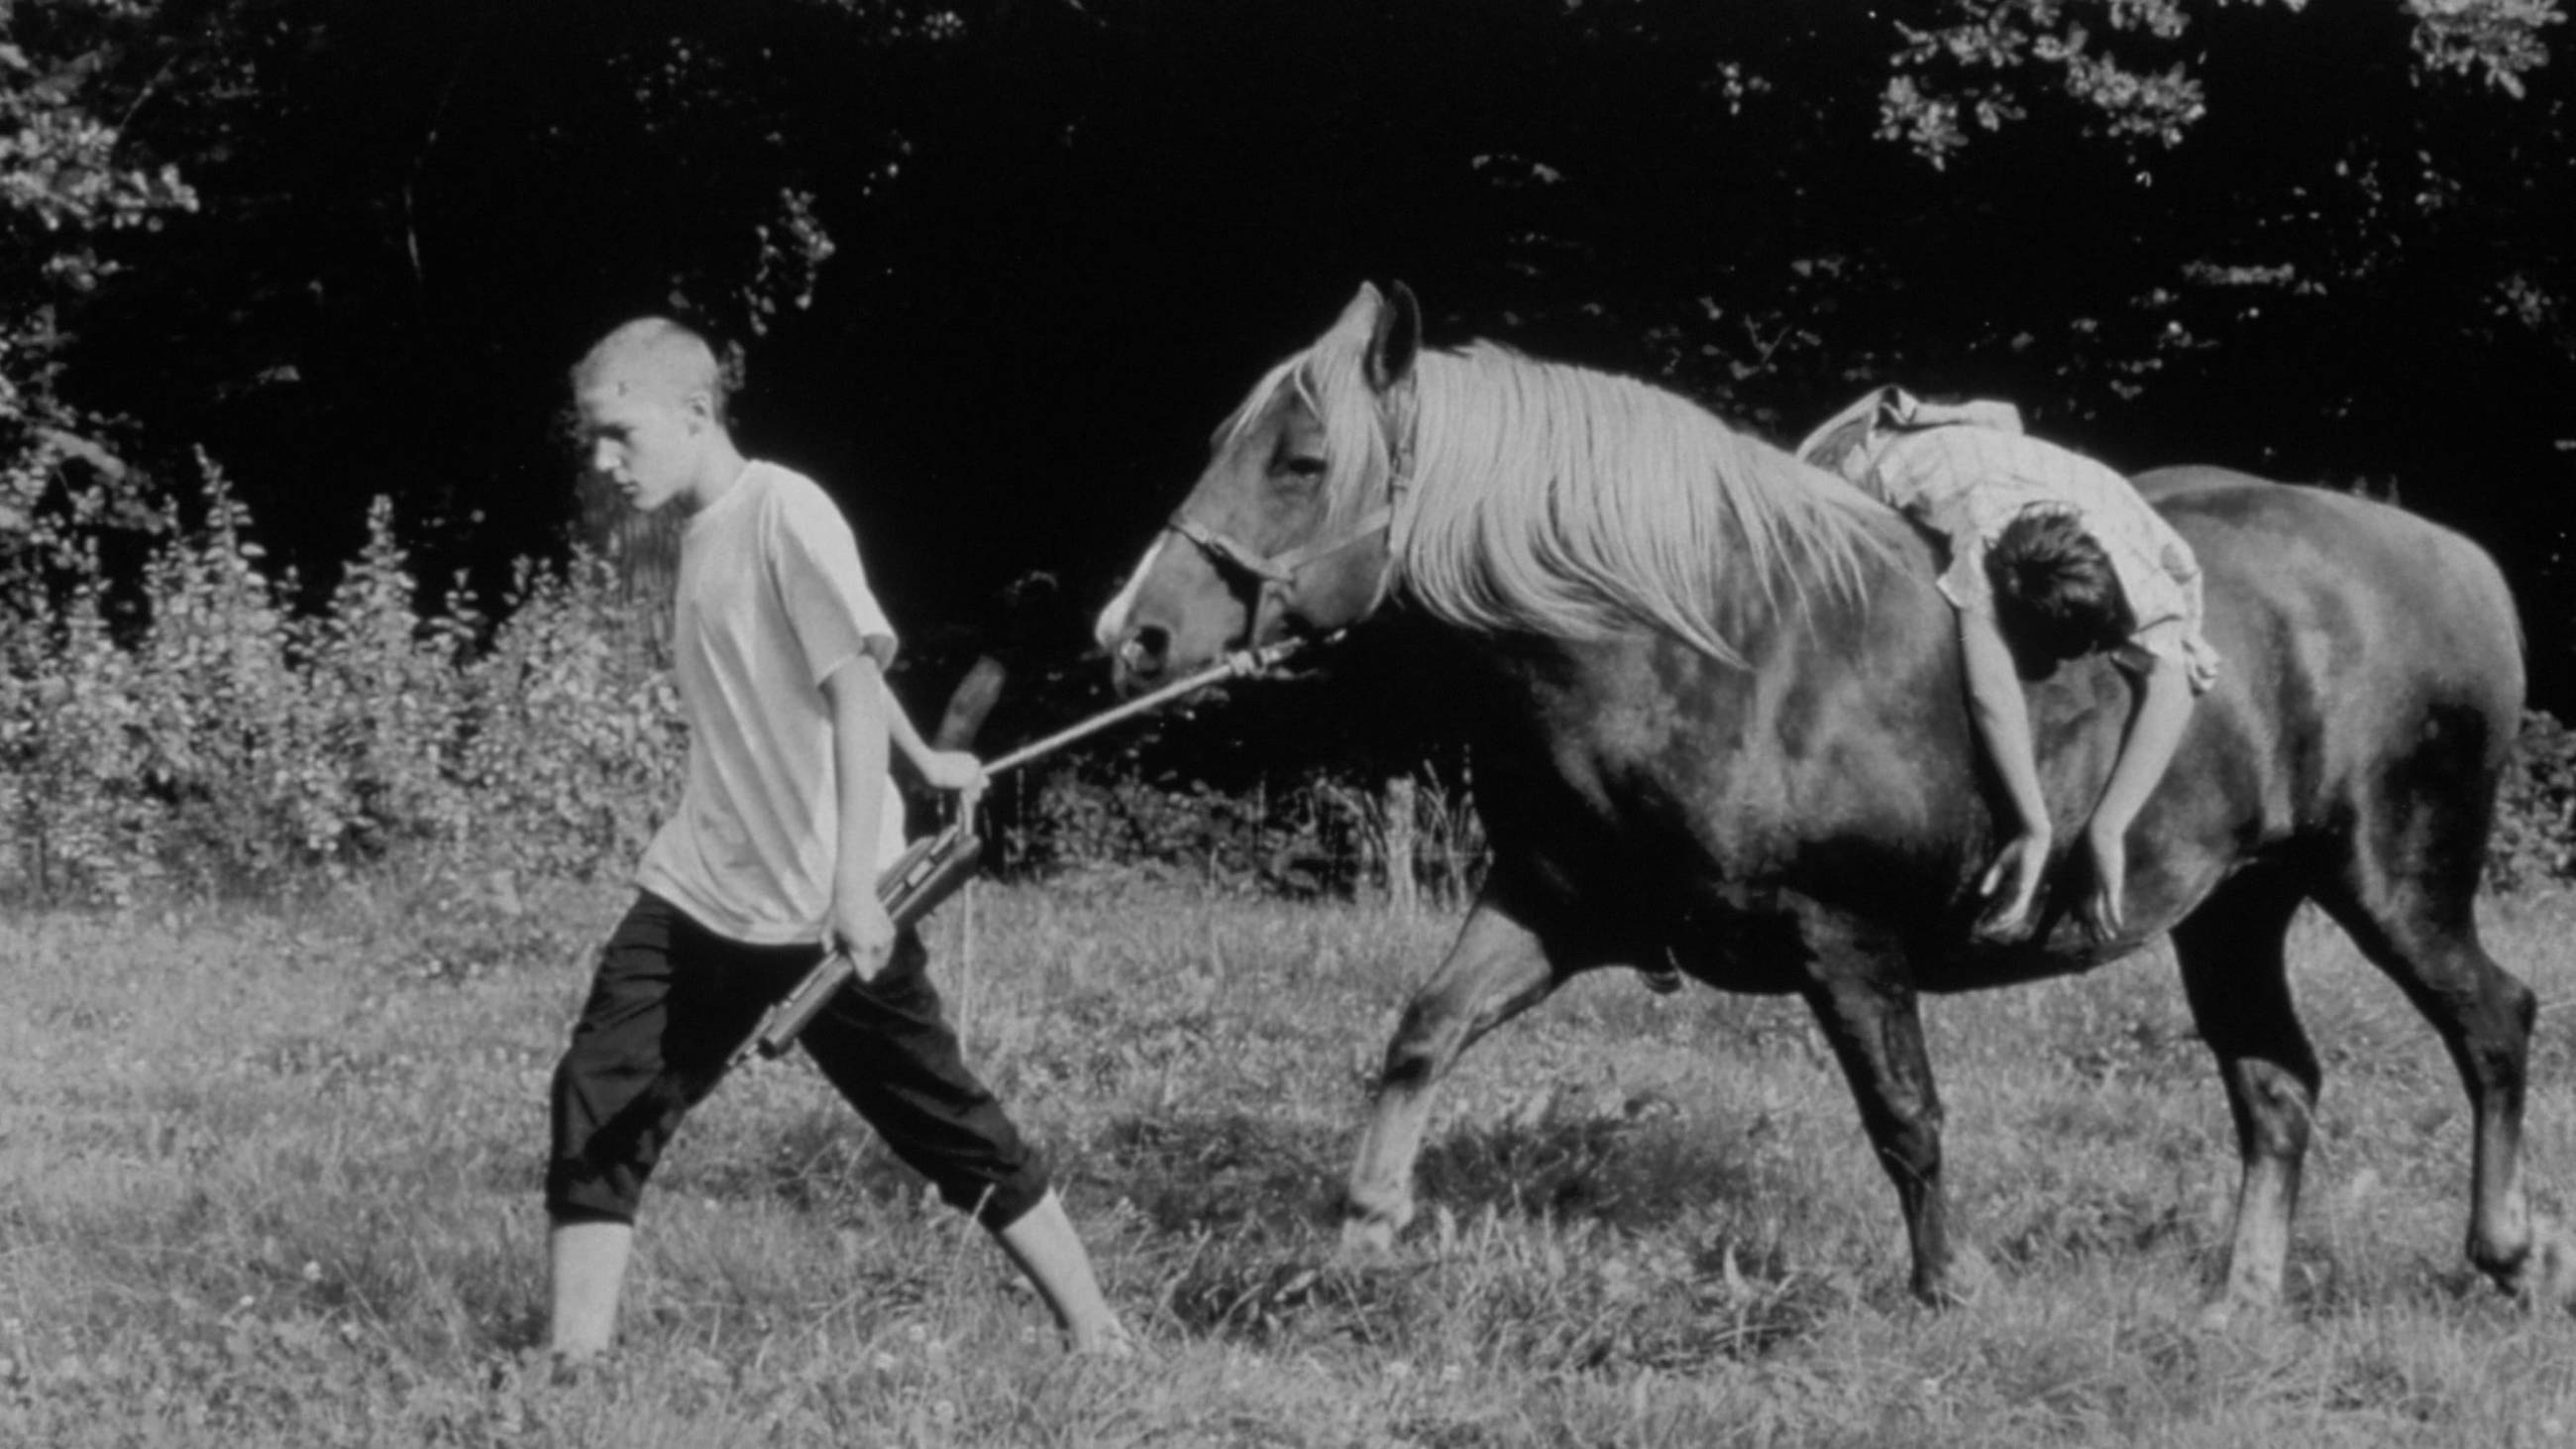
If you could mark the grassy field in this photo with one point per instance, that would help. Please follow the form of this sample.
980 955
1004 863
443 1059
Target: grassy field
268 1176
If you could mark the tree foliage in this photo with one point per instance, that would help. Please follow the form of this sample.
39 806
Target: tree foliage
68 188
1977 68
996 264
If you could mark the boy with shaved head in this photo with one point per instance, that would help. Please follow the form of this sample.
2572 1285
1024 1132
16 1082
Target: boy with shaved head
773 855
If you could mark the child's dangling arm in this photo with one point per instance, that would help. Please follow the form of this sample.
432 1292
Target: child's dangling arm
2164 708
2003 725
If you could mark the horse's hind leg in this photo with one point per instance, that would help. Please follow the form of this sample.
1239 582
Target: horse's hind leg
2236 976
2418 926
1494 971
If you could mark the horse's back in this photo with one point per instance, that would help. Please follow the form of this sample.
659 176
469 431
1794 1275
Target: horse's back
2358 582
2372 658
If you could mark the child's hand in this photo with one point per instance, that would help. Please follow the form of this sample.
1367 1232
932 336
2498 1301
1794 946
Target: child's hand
2026 857
952 770
861 928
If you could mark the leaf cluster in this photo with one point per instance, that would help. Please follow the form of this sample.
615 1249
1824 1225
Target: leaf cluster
198 733
998 265
2535 838
189 729
69 187
1012 257
2124 64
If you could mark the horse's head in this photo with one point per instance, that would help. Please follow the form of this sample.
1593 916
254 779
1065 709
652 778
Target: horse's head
1288 530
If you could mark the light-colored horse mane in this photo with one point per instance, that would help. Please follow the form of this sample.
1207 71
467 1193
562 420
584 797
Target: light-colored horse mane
1557 500
1329 380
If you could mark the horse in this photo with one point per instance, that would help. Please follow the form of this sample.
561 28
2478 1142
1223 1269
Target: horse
1720 720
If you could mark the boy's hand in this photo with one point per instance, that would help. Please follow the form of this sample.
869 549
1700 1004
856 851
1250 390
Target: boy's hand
2026 857
861 927
952 770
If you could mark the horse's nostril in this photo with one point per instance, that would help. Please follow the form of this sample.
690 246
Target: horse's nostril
1147 648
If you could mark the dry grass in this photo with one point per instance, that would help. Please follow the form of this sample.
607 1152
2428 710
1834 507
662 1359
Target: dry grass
270 1178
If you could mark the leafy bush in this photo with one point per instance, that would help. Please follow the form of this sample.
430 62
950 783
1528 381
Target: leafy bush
2535 836
1088 819
1325 834
69 749
572 744
190 730
206 736
216 718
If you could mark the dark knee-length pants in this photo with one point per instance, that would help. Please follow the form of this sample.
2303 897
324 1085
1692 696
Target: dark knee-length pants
672 1000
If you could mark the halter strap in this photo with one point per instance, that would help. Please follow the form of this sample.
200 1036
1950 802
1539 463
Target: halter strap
1280 569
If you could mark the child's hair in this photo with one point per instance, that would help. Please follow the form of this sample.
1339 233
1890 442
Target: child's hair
2054 587
671 355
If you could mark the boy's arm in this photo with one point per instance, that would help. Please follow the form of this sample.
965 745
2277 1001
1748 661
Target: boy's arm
860 706
940 769
2003 724
2153 736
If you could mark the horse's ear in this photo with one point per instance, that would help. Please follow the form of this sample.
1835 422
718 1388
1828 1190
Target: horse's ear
1396 339
1359 314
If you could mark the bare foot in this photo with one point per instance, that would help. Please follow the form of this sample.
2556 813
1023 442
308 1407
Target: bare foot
1109 1341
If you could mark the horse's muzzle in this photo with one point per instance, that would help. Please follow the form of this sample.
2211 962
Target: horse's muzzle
1141 659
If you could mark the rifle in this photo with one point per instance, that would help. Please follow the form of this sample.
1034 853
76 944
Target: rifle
933 868
927 873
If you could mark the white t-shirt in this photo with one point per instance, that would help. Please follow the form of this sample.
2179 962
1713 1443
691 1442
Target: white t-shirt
772 599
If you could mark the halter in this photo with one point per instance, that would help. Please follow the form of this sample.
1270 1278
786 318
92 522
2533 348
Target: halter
1277 572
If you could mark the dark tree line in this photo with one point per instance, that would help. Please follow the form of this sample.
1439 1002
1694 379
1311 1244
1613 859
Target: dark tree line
998 266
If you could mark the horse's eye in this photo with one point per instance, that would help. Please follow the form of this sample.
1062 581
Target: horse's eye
1305 468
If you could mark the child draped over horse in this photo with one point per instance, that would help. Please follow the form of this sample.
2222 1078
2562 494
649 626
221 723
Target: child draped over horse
2061 554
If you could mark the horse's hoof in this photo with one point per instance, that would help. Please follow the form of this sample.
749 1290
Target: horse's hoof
2218 1315
1974 1276
2547 1278
1969 1279
1367 1240
2230 1310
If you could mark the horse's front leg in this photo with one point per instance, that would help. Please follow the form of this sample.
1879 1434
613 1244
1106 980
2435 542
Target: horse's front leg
1494 971
1869 1015
2235 975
